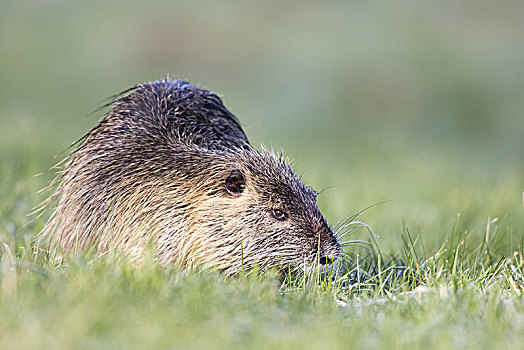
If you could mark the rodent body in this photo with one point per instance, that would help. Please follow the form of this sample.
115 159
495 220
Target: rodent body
170 166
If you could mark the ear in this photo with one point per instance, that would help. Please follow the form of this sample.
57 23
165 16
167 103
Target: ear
235 183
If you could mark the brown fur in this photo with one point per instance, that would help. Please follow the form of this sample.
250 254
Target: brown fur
157 168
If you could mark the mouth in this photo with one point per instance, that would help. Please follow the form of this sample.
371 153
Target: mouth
323 264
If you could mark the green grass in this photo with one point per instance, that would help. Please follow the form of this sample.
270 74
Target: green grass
457 290
418 104
102 305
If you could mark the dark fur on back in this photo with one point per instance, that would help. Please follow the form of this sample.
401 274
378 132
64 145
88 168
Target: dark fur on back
179 110
169 164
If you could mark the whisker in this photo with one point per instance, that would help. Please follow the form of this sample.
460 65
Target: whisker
342 234
368 227
340 222
356 242
340 229
360 212
345 255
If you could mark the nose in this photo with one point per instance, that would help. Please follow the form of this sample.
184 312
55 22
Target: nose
325 260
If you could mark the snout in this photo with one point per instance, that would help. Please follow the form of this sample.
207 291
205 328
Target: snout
325 260
330 251
327 249
326 264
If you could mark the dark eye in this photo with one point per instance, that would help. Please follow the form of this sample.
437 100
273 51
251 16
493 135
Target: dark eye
279 214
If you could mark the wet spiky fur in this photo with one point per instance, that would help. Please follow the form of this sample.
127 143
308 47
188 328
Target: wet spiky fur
153 171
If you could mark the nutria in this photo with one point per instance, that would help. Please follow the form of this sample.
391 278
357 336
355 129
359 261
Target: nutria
169 166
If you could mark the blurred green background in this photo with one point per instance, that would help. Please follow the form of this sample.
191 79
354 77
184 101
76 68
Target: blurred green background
416 102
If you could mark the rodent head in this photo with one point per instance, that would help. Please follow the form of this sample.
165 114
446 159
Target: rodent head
268 214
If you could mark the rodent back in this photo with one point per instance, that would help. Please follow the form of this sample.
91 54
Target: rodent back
178 111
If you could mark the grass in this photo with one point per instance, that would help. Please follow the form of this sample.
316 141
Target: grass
416 104
459 302
462 291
